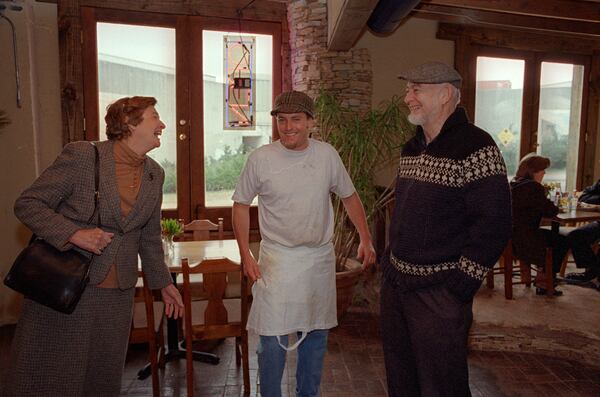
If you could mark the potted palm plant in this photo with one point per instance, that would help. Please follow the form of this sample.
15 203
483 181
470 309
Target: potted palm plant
366 143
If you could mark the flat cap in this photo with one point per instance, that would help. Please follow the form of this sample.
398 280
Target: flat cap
293 102
432 73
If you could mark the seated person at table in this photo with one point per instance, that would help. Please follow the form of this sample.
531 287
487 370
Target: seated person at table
530 205
582 238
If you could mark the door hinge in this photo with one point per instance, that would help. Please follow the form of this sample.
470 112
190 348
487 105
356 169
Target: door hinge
84 127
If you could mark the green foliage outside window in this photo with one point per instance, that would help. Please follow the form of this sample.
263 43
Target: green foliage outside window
170 185
219 174
224 172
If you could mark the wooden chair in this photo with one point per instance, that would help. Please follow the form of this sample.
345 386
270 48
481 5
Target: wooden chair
147 327
200 229
544 277
215 316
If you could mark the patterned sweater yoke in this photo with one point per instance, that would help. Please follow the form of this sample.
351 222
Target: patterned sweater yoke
452 215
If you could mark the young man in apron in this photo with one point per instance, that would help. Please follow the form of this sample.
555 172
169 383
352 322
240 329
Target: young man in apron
294 289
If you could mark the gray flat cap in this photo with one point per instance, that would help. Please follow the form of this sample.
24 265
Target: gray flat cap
432 73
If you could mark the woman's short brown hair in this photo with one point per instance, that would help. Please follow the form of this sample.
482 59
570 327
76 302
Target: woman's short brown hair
530 164
124 112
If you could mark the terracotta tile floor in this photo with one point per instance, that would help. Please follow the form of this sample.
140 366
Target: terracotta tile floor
354 361
354 367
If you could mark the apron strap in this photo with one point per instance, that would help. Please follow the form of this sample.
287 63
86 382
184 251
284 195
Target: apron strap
295 345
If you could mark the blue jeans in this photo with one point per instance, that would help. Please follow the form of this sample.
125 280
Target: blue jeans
271 362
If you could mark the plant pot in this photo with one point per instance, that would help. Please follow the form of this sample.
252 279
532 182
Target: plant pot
345 285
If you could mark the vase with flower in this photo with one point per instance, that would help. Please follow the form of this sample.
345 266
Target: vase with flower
170 227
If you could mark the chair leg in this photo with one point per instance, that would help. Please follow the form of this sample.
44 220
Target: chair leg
189 361
563 266
548 269
238 358
245 363
508 277
161 349
525 273
153 356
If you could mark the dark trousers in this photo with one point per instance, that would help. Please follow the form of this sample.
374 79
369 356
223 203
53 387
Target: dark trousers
581 240
559 244
424 335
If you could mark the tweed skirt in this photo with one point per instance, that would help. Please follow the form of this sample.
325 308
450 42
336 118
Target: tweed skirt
77 354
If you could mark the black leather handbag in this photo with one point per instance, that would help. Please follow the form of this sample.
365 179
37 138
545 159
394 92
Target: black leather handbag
51 277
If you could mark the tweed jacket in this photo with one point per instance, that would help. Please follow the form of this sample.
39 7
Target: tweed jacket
61 201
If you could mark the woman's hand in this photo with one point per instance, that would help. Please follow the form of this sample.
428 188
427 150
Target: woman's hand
173 302
93 240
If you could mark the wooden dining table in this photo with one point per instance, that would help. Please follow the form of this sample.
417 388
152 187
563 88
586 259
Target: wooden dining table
195 251
574 216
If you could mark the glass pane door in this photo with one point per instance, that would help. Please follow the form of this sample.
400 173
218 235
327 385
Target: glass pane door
238 93
559 120
499 104
141 65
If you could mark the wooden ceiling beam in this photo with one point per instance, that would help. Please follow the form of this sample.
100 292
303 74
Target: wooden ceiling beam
515 39
266 10
348 23
579 10
498 19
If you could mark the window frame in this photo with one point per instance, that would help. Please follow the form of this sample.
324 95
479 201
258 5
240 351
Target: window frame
472 41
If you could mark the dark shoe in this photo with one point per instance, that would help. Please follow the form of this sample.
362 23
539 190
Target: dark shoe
580 277
543 291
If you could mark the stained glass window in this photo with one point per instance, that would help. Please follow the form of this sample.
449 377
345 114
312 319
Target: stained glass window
240 76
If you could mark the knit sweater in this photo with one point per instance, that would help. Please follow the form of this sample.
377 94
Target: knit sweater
452 215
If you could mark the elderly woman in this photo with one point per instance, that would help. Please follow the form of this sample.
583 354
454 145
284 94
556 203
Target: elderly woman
530 205
83 353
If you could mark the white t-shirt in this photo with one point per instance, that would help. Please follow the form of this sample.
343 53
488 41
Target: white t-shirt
293 188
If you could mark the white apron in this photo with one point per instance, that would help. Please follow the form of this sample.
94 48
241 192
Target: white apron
296 291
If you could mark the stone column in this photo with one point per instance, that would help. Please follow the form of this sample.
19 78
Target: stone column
346 74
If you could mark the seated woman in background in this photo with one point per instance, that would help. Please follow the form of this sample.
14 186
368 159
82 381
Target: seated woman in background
530 205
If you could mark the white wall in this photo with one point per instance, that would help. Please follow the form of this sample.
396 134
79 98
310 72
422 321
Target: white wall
33 139
411 44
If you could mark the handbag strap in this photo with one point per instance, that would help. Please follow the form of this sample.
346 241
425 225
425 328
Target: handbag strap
96 186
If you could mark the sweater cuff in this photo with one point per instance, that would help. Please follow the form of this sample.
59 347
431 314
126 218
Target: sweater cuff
466 279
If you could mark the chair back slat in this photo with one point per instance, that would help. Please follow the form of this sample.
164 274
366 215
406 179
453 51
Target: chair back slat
201 229
214 285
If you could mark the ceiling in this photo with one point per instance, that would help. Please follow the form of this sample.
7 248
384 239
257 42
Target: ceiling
563 17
